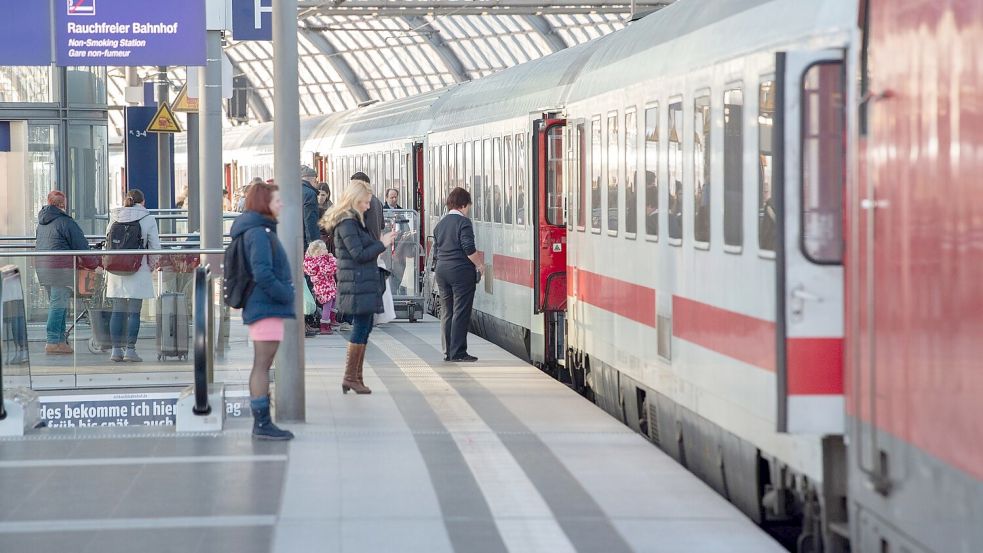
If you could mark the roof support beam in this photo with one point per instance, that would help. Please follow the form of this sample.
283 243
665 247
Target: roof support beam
255 101
340 64
443 49
553 38
403 8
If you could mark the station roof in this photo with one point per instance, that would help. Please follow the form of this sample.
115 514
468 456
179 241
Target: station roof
357 51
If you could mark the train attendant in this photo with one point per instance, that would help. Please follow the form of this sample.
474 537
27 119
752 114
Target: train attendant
271 301
360 282
458 270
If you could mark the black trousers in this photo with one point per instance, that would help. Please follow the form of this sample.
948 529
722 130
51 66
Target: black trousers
456 298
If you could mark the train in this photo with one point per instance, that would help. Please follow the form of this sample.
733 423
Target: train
745 228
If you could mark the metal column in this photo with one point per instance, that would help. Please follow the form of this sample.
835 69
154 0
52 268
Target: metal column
286 171
193 202
210 146
164 199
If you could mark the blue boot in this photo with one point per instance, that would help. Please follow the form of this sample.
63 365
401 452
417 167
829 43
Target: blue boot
263 427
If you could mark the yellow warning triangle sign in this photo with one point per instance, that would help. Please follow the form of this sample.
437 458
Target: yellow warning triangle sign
185 103
164 121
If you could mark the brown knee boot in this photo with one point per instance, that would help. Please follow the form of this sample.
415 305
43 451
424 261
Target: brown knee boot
358 374
353 368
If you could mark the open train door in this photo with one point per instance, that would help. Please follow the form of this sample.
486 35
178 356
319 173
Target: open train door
809 184
550 234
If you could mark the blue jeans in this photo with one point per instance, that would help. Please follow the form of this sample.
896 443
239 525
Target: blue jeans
58 297
361 328
125 320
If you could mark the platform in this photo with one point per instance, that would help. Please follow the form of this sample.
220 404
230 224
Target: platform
491 456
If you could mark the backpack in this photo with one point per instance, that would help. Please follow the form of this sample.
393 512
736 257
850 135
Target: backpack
237 279
124 236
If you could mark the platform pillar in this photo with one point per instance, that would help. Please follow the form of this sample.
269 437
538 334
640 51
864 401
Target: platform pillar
210 149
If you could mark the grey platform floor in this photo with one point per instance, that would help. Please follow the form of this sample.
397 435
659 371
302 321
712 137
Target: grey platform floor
493 456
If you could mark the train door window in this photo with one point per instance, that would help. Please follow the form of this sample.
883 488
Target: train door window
733 169
611 170
652 171
766 207
676 173
497 177
469 171
823 124
487 181
701 170
520 179
479 181
581 156
570 173
631 173
595 174
509 180
554 177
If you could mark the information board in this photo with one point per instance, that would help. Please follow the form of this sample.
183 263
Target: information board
130 33
25 33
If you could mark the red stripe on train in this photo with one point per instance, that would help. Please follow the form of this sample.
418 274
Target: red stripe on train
513 269
815 366
744 338
617 296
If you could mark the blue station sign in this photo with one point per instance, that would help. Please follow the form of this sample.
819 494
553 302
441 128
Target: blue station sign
252 19
23 36
130 32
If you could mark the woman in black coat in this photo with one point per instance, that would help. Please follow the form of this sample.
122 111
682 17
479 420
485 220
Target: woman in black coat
458 268
360 282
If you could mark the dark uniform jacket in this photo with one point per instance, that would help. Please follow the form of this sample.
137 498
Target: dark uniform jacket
311 232
273 295
57 231
360 282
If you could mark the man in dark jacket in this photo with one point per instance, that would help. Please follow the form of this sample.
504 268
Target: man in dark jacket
57 231
375 219
308 178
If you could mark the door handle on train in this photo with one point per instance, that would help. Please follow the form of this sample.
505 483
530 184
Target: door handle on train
799 297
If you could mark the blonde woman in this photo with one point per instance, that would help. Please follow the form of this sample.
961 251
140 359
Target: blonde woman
360 283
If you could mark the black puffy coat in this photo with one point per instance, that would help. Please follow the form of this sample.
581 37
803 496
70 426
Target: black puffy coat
360 281
57 231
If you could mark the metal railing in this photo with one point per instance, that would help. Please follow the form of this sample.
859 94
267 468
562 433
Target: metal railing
9 276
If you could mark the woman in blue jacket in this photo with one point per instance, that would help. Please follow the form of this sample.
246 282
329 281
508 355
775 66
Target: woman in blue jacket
270 302
360 282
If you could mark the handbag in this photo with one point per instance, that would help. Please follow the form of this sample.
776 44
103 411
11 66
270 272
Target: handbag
388 307
310 306
87 282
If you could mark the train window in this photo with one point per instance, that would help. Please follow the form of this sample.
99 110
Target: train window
468 166
479 179
496 179
380 176
509 180
676 173
701 169
823 163
631 173
487 181
734 167
520 179
462 168
451 181
652 171
441 167
766 207
581 158
611 169
554 177
595 174
432 182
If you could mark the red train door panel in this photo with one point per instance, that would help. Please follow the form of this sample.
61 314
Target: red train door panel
550 253
807 206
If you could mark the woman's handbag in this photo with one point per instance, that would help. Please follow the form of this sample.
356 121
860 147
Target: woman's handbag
389 309
309 305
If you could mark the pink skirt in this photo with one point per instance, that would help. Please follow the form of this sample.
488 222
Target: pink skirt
269 329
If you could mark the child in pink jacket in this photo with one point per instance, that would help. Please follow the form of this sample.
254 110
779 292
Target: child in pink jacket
321 266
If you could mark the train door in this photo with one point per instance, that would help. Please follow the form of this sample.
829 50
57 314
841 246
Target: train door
550 235
809 185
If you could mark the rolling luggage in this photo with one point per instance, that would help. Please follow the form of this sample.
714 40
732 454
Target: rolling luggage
172 326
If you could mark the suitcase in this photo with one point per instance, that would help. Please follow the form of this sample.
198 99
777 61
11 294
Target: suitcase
172 326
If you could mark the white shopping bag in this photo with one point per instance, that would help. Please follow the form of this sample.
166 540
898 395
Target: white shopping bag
389 313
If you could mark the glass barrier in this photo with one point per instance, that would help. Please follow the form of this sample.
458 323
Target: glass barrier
85 321
403 260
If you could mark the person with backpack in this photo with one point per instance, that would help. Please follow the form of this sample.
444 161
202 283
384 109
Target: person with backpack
129 279
257 279
359 279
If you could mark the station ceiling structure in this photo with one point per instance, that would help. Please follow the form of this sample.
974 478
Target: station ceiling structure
354 52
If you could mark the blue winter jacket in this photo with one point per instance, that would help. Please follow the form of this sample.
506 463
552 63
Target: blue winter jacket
273 295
